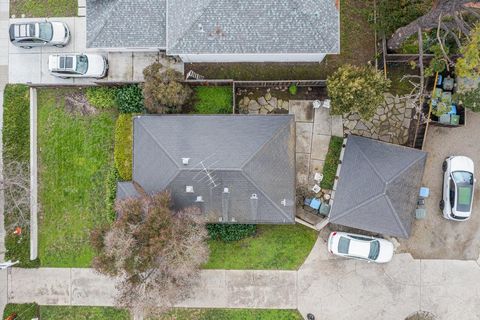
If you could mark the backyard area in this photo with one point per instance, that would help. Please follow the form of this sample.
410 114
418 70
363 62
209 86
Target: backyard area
43 8
75 149
354 26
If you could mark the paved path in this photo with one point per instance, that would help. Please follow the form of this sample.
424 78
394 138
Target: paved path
329 288
4 13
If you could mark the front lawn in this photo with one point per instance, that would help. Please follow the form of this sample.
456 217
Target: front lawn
357 47
231 314
331 162
29 311
213 100
44 8
273 247
75 156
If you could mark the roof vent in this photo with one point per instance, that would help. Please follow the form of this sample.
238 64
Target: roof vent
185 161
284 202
254 196
189 189
199 199
225 190
233 219
200 28
220 219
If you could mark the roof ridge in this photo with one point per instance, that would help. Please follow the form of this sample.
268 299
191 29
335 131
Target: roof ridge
100 29
396 217
365 202
405 169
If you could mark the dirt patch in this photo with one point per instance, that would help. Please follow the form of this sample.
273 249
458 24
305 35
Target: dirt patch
436 237
77 103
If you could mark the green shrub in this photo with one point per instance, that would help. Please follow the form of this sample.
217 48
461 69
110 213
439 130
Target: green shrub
469 99
16 123
129 99
23 311
331 162
111 192
230 232
102 97
293 89
18 248
213 100
123 152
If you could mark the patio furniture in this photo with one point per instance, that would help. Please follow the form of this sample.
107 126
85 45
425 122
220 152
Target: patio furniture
317 104
316 188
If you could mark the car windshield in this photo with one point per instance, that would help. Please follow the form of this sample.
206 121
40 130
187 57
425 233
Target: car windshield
343 245
82 64
374 250
464 182
45 31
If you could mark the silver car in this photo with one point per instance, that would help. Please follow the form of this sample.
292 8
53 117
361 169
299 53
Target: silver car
458 186
78 65
39 34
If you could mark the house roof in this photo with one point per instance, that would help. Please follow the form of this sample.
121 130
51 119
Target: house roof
126 23
252 26
126 189
252 156
215 26
378 187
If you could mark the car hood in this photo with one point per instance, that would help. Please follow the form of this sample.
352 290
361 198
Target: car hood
386 251
59 30
96 65
461 163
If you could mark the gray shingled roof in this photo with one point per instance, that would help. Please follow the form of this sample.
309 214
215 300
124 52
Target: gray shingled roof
252 26
378 187
246 154
215 26
126 23
126 189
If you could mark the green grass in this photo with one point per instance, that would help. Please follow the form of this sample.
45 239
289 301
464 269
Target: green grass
123 154
273 247
331 162
29 311
357 47
231 314
44 8
16 122
213 100
75 155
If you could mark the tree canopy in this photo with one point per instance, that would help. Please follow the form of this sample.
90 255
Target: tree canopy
469 64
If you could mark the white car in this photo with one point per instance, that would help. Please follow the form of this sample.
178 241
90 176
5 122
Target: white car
458 186
78 65
360 247
39 34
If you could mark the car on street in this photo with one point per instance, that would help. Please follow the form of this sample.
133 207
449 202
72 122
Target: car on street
458 188
39 34
78 65
371 249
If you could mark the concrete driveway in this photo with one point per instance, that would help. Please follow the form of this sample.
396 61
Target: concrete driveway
436 237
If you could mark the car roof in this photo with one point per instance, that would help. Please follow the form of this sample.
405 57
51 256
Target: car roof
64 62
359 248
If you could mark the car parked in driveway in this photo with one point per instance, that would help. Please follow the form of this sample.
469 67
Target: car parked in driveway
78 65
458 188
39 34
371 249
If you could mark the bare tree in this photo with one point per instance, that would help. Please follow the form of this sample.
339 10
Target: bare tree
16 187
157 253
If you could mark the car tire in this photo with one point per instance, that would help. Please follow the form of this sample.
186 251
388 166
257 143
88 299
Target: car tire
442 205
59 45
26 47
444 166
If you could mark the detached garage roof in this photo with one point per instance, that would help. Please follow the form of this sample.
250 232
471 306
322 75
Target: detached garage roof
378 187
238 169
215 26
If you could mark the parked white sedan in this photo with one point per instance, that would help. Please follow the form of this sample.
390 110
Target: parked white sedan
458 185
78 65
360 247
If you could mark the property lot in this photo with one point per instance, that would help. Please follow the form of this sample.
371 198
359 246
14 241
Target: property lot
436 237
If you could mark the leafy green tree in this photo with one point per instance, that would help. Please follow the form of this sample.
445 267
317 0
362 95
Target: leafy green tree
469 64
357 89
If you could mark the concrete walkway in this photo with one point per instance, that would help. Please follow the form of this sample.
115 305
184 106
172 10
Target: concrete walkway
4 13
329 288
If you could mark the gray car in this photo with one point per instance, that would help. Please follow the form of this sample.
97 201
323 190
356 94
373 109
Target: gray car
39 34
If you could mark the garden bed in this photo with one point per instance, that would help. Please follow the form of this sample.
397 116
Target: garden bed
75 151
331 163
213 100
283 247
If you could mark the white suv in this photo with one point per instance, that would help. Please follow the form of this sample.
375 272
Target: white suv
458 185
78 65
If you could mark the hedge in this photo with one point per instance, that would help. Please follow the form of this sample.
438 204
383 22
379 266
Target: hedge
331 162
213 100
230 232
129 99
102 97
123 152
111 192
16 123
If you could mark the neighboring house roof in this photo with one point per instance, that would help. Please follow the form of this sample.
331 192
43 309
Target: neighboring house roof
252 26
126 189
126 23
252 156
215 26
378 187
